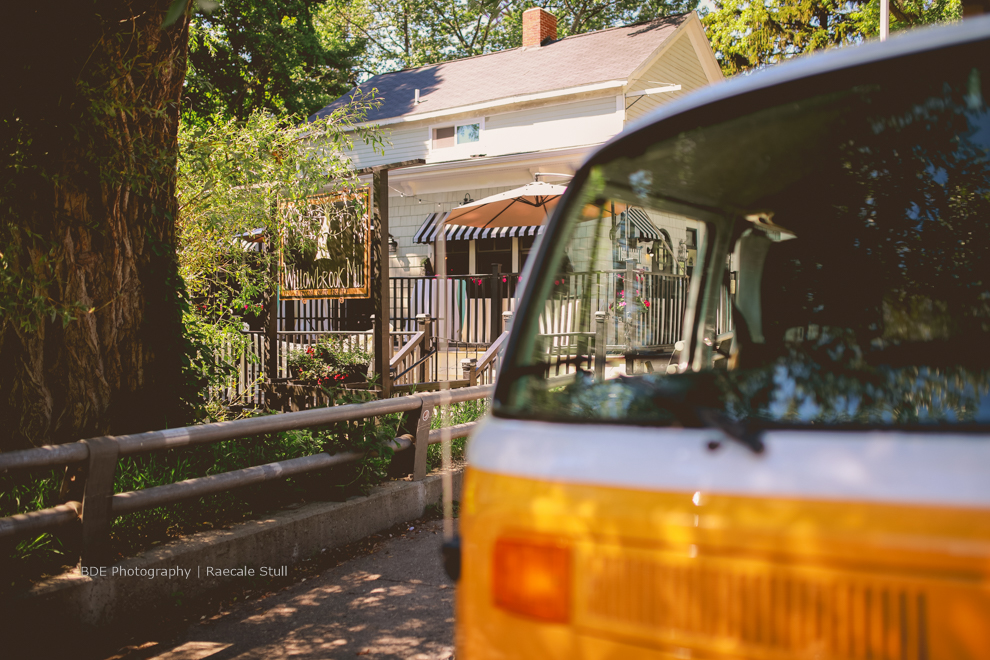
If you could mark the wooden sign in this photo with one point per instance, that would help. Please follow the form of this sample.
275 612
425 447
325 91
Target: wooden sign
326 247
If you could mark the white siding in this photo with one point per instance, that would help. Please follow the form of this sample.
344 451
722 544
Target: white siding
679 65
589 121
407 143
551 126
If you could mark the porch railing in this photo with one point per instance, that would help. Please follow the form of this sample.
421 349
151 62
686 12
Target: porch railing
643 310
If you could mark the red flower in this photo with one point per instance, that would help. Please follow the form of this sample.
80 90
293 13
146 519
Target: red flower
646 302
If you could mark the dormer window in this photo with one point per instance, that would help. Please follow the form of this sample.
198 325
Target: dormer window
449 136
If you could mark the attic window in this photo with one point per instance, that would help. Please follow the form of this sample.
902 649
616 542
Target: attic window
443 137
448 136
468 133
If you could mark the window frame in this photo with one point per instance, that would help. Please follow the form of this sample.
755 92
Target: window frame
457 150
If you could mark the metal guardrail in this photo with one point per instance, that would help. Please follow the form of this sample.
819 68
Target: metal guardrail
91 463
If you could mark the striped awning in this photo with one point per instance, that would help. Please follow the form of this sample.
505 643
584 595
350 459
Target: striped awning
427 233
643 224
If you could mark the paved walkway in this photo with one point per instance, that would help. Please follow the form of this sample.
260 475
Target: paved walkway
394 603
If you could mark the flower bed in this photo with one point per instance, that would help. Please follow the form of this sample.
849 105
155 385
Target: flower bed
328 363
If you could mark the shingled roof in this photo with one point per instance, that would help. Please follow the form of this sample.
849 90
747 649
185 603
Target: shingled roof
582 59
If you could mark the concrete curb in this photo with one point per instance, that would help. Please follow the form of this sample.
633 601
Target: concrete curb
127 592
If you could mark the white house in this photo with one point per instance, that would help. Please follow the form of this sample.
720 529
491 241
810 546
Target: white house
491 123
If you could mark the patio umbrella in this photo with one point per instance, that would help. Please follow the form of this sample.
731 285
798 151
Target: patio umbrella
528 206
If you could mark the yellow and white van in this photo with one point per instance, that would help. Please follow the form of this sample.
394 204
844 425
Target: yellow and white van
809 476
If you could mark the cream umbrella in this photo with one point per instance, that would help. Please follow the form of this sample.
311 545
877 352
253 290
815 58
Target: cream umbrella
527 206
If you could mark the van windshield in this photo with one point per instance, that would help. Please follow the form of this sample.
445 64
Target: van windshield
826 261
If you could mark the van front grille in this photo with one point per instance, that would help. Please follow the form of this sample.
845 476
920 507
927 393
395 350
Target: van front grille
760 606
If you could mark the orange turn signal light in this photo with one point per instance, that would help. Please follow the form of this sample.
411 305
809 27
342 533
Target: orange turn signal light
532 578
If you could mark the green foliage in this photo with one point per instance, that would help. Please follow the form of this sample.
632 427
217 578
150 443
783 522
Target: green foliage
747 35
237 186
458 413
252 55
29 491
409 33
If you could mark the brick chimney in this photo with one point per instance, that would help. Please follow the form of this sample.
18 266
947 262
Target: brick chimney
538 26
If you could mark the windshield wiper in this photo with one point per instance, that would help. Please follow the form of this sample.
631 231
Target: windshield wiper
737 430
688 400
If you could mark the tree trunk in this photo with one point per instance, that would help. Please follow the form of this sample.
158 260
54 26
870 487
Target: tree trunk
91 337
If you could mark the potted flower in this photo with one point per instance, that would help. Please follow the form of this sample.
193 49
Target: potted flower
329 363
301 363
635 305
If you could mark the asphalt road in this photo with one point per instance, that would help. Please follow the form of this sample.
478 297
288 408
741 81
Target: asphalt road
396 602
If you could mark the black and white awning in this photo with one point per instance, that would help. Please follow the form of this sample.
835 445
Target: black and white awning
644 225
427 233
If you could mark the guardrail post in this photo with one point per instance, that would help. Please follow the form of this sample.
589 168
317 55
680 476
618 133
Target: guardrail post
97 499
600 338
469 369
416 425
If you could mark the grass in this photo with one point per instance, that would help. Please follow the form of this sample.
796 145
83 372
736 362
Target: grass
48 554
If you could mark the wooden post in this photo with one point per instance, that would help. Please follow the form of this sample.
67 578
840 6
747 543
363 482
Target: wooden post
469 370
628 325
425 346
97 501
379 266
271 334
379 279
496 303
